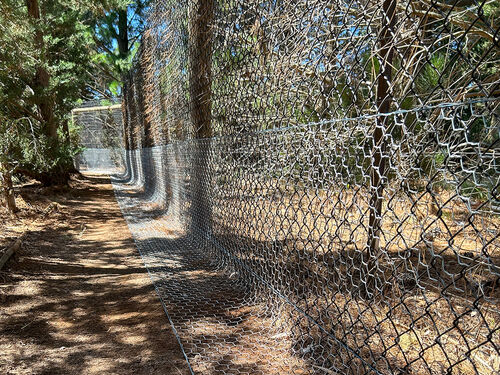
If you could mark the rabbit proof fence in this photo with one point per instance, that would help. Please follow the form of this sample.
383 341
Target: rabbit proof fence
314 185
100 136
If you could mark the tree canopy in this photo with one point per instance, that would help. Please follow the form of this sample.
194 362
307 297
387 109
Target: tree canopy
52 54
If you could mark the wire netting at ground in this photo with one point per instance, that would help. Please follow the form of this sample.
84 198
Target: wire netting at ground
314 185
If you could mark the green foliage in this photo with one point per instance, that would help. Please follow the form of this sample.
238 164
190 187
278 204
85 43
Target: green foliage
116 33
59 47
18 58
25 149
69 52
431 74
21 144
471 189
114 87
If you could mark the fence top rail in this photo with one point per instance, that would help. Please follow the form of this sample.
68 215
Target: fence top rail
100 108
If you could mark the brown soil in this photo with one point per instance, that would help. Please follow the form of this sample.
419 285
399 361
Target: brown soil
77 299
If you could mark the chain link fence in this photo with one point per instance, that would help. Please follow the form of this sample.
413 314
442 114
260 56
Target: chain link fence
314 185
100 124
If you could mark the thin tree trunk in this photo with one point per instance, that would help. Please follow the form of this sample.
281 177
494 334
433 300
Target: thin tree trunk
44 100
125 113
8 190
378 170
123 37
123 50
146 64
164 129
65 128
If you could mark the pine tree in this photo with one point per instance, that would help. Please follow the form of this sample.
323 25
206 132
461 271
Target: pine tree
46 50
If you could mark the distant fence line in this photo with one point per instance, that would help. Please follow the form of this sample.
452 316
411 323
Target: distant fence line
100 136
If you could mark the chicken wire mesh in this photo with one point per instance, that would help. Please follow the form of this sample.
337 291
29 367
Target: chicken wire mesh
314 185
100 136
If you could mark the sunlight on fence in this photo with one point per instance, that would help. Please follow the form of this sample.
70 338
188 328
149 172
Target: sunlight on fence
314 185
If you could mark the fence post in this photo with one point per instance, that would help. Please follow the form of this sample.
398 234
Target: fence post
125 124
378 170
200 81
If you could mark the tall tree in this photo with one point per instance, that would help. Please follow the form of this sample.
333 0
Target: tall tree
45 54
41 80
117 35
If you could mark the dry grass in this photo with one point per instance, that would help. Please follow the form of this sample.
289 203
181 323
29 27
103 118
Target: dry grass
436 297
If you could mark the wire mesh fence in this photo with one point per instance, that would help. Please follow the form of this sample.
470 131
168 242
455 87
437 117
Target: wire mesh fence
314 185
100 136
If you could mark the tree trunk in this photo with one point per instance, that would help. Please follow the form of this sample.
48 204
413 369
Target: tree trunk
65 128
164 128
44 100
146 68
125 117
200 81
201 67
378 169
8 190
123 39
41 82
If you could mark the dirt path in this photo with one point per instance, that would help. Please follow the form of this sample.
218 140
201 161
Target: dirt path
78 299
